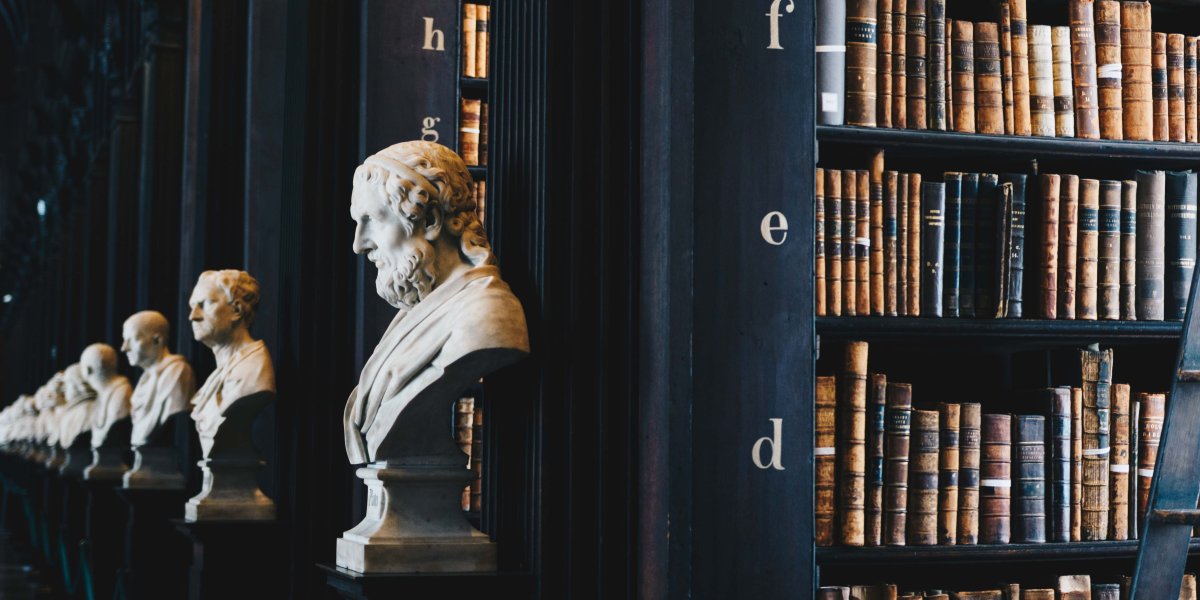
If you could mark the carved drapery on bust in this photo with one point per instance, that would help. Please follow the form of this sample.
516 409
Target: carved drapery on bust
99 364
77 413
167 381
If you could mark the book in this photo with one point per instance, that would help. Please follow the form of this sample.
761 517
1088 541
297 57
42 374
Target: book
1097 382
923 479
1029 474
1187 590
876 433
985 246
483 136
1106 591
966 245
852 445
482 44
1041 81
902 239
1083 71
968 473
1118 482
1137 105
1058 465
1108 68
1037 594
883 64
833 592
952 245
978 595
861 25
1151 237
469 39
833 242
831 61
477 460
948 474
1068 244
1128 249
825 458
891 186
1050 187
1075 587
1076 464
1003 246
468 140
1020 66
899 63
962 79
1012 591
1089 249
1016 246
819 241
915 64
1064 90
989 109
933 202
895 473
1109 253
1134 443
464 411
1180 232
1190 89
862 244
995 479
1176 105
914 245
877 234
1004 39
1150 423
948 79
849 245
1158 77
936 49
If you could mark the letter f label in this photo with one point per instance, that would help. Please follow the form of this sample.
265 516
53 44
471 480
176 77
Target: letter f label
774 15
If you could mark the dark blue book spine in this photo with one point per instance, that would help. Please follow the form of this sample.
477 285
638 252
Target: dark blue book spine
985 247
1181 241
953 244
1016 256
933 225
966 245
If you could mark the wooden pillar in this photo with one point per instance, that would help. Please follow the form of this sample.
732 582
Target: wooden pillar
120 298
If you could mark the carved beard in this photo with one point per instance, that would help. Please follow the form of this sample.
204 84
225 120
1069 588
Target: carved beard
404 278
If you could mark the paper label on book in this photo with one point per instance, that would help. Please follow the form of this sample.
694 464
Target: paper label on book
829 102
1118 468
469 129
1095 451
831 48
863 242
1109 71
996 483
824 451
1146 472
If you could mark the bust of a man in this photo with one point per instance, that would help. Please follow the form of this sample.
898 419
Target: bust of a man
167 382
76 414
99 365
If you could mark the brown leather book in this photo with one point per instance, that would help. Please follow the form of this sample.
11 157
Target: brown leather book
469 38
962 79
1083 71
1075 587
883 69
1190 89
1137 106
1064 89
980 595
1037 594
1118 481
825 458
948 465
1108 67
1020 66
1176 102
1109 253
989 107
891 187
1012 591
1150 424
1048 304
899 64
1089 249
483 137
1187 590
1158 76
1151 245
1128 249
949 75
895 470
968 473
1041 81
852 445
849 231
876 433
1004 40
464 412
1068 244
935 28
861 26
923 479
1076 464
833 242
915 64
477 460
833 592
468 139
995 480
819 241
1097 382
482 19
902 186
914 245
877 228
862 244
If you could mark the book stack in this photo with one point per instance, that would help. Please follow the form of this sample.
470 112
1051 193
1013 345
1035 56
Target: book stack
479 191
1065 587
475 40
473 132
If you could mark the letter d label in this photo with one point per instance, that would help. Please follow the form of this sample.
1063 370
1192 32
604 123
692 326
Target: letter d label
776 446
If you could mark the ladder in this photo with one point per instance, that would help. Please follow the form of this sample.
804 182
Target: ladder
1171 513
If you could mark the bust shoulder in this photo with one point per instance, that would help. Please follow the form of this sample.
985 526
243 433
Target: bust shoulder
488 317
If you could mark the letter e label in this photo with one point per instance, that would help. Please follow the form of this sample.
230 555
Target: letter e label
772 223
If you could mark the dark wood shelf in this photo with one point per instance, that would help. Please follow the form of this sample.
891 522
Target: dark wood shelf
474 84
478 173
1060 332
844 556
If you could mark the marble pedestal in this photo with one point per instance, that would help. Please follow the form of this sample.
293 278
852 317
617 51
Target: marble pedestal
229 488
108 465
77 459
351 585
154 468
415 524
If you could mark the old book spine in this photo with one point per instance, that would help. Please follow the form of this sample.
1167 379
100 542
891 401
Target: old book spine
995 479
1003 246
1041 81
1109 253
1118 482
1059 465
902 278
890 249
464 412
915 64
952 245
989 110
1150 424
1190 89
1037 594
1180 251
899 63
819 241
1135 442
1068 244
1089 249
877 233
477 460
966 245
1004 38
1097 382
1083 72
1108 67
962 80
833 242
852 445
979 595
1076 463
923 479
936 63
985 248
1051 184
468 139
876 429
482 45
914 245
1128 249
849 231
469 39
1158 75
1016 257
1187 589
1137 106
1029 473
883 70
483 140
862 244
1012 591
1106 591
861 32
968 473
948 473
949 75
933 225
831 61
895 483
1075 587
1020 66
833 592
1064 91
1176 105
1151 244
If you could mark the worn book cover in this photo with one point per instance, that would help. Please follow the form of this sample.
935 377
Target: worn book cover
819 240
852 445
948 473
1097 382
877 290
1029 479
1083 72
891 182
962 75
1151 246
861 37
1049 185
970 416
833 242
1129 249
831 61
952 245
1108 67
995 483
1180 251
1109 254
1068 244
824 458
1137 105
849 245
876 433
915 64
1089 249
1064 90
989 107
1118 483
895 484
923 479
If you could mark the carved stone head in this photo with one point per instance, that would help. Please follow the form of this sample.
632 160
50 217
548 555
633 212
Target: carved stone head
222 302
75 386
99 364
415 218
144 338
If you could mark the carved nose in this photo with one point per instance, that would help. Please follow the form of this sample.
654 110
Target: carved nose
359 245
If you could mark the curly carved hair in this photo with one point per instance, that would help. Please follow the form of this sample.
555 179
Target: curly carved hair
241 290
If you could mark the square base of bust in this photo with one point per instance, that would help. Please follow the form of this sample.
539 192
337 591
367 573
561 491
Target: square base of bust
208 510
138 480
431 556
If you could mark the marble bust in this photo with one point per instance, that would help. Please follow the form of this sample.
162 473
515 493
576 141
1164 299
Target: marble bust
223 308
456 321
110 415
163 391
75 422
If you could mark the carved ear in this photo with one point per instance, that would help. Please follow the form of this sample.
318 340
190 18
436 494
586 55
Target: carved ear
434 221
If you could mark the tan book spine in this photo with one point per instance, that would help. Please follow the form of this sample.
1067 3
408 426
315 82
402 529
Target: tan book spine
1109 252
883 72
968 473
895 470
852 434
1076 464
1187 589
1176 99
825 458
1064 90
1068 240
469 39
1118 483
902 277
948 474
1097 382
891 248
915 64
1041 81
477 460
483 135
914 245
1020 67
1190 87
989 107
1050 187
849 231
1108 67
861 30
1158 74
962 62
464 412
899 64
922 479
1153 412
876 224
833 242
1089 249
1083 72
1006 65
819 242
1137 103
862 244
995 483
1038 594
482 21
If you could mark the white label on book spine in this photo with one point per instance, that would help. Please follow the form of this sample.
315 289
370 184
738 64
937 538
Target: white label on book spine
996 483
823 451
864 242
831 48
1109 71
1118 468
1095 451
829 102
1146 472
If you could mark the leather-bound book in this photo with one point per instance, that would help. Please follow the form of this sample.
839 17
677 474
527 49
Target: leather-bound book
915 64
883 65
1187 590
1064 89
831 61
902 278
966 245
1020 66
876 223
861 35
980 595
1004 220
985 246
952 245
968 473
995 480
1005 41
1176 102
922 479
852 445
1135 442
1106 591
819 241
1097 382
1075 587
989 109
862 244
1150 424
914 245
469 39
1068 244
1050 187
949 78
876 427
483 141
891 182
1016 255
895 470
1128 249
1029 479
1012 591
1109 254
1158 76
933 225
1118 468
468 140
477 460
1089 249
1041 81
899 63
1180 241
482 19
849 232
1189 89
962 75
1108 67
1076 463
1083 72
825 458
833 242
833 592
1058 465
948 475
1137 106
1151 244
936 63
1037 594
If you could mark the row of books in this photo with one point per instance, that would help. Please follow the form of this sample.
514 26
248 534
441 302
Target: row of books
903 64
468 433
889 473
479 190
1069 587
475 40
473 131
898 244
